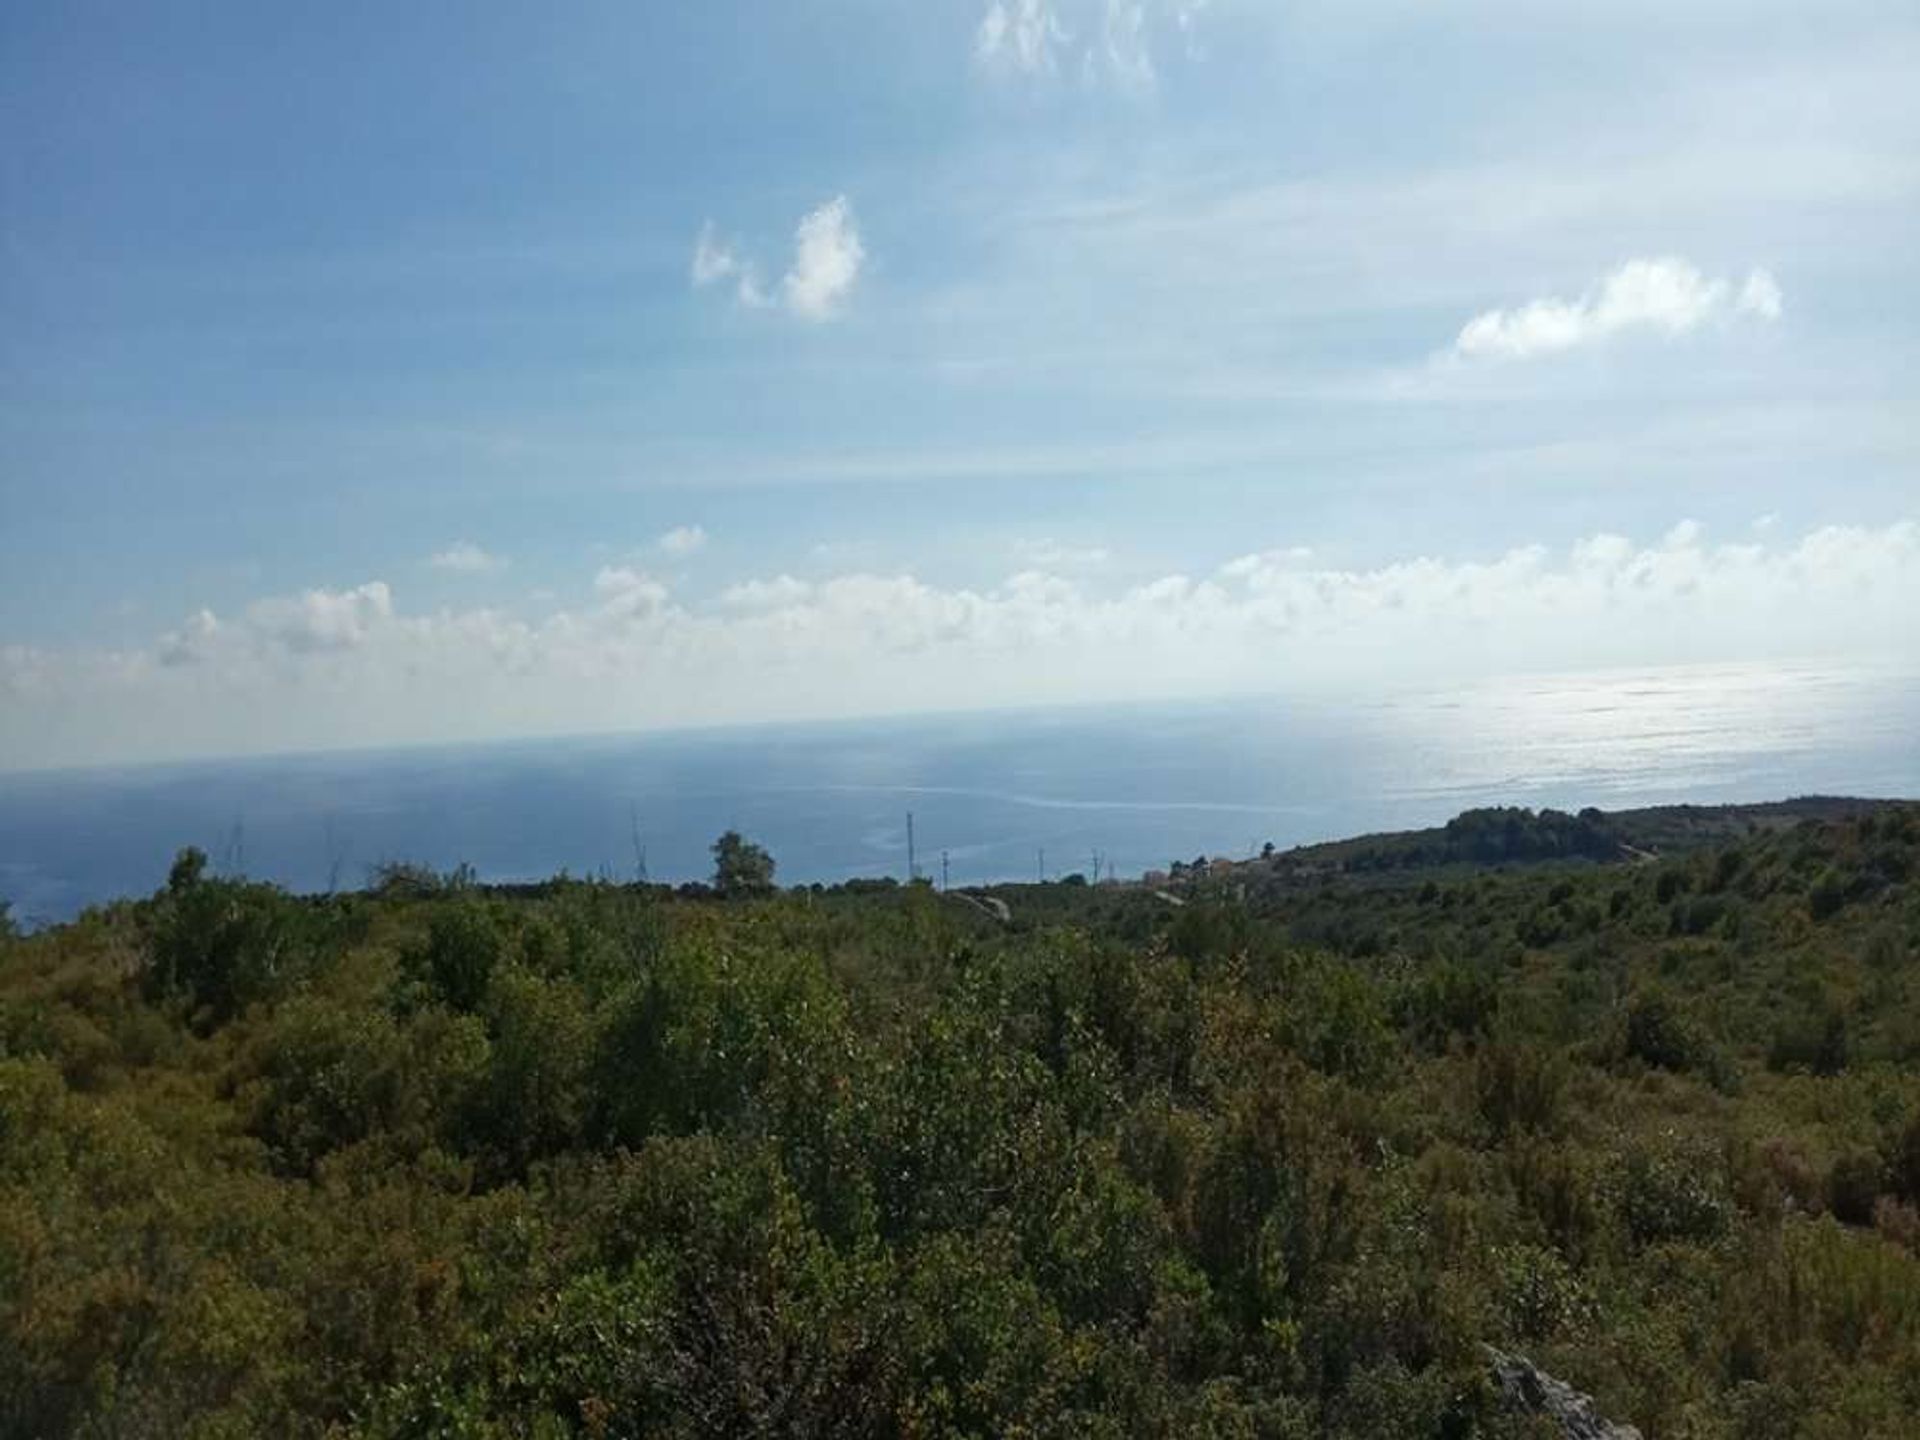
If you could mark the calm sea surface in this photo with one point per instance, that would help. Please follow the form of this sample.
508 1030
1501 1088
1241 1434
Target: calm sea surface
1140 784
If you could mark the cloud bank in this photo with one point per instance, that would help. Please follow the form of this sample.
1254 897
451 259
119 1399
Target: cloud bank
353 666
1666 296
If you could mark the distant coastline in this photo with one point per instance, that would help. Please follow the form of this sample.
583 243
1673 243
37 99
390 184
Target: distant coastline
1005 796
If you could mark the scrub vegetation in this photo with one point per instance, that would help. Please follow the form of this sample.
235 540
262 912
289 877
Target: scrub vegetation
1270 1149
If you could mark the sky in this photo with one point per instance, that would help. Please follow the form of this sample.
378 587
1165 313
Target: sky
377 375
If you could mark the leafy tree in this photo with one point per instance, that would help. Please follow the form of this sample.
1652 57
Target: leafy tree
1660 1033
463 947
223 943
740 867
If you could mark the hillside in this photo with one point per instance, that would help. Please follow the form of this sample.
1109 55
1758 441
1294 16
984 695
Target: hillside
1278 1160
1513 835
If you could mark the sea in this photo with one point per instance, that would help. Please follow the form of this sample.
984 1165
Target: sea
993 796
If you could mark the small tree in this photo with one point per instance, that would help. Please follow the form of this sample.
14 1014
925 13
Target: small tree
225 943
741 867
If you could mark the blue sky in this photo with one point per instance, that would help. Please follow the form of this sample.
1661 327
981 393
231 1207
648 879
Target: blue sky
374 374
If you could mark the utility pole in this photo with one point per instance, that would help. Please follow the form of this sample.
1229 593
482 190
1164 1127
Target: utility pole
943 870
639 850
1043 864
333 861
913 870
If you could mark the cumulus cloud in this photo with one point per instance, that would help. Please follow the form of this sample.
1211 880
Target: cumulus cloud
629 594
351 666
465 558
1666 296
319 621
192 642
828 255
682 540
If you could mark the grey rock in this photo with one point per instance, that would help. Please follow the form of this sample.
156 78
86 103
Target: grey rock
1526 1389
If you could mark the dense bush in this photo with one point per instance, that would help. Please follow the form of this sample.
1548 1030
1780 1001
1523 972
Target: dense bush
221 944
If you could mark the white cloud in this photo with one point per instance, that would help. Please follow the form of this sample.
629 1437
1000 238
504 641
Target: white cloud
626 594
1053 555
1246 566
1102 42
192 642
1685 535
466 558
1760 295
827 258
349 666
1124 43
1666 295
779 593
828 255
1186 19
315 621
682 540
716 260
1020 35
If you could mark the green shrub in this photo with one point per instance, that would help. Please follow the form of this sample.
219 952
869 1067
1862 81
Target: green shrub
1519 1086
1539 1296
1814 1040
462 949
1661 1034
1827 894
225 944
1853 1185
329 1077
1450 998
1905 1167
1671 1193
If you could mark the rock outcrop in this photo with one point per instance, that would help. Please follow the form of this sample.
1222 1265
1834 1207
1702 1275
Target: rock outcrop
1526 1389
